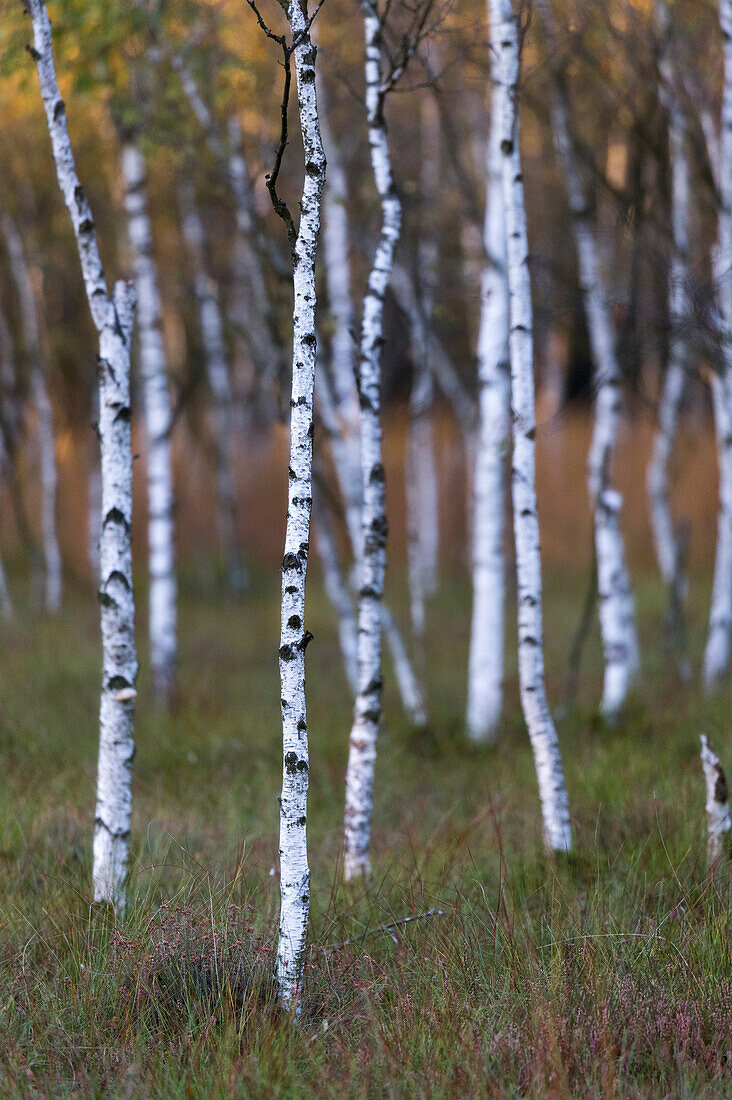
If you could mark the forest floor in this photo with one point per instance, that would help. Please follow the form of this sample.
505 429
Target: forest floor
605 975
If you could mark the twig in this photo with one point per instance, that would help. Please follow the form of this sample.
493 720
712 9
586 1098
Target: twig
325 948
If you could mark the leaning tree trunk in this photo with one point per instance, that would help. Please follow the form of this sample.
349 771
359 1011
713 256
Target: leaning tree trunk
339 403
162 624
552 790
294 870
113 319
367 709
617 619
46 437
717 652
217 373
485 665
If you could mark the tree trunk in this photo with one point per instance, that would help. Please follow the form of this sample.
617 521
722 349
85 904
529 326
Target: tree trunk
421 472
217 373
717 652
667 540
113 319
717 805
46 438
338 402
367 709
485 665
620 641
552 790
294 870
162 624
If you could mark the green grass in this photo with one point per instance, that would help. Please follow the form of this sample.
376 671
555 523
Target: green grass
608 975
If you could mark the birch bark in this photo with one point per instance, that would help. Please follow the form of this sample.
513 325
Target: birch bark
113 320
46 436
548 763
717 804
367 709
339 401
717 651
421 472
162 624
657 479
619 637
294 870
485 664
219 384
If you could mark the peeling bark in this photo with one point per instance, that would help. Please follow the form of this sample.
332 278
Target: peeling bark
113 320
547 759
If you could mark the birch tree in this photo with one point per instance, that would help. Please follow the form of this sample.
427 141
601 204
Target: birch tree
617 611
217 372
252 312
157 411
46 435
717 651
338 398
547 759
113 320
367 708
485 663
421 472
667 540
717 804
303 239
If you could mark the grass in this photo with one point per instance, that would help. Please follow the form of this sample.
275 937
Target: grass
607 975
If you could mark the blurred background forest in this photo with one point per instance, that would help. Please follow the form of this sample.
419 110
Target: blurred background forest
622 138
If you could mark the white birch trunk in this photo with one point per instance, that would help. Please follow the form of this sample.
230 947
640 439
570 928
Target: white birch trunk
657 478
619 637
113 319
94 502
46 437
345 439
552 790
485 664
219 384
339 404
717 652
294 870
162 623
717 804
421 472
367 709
